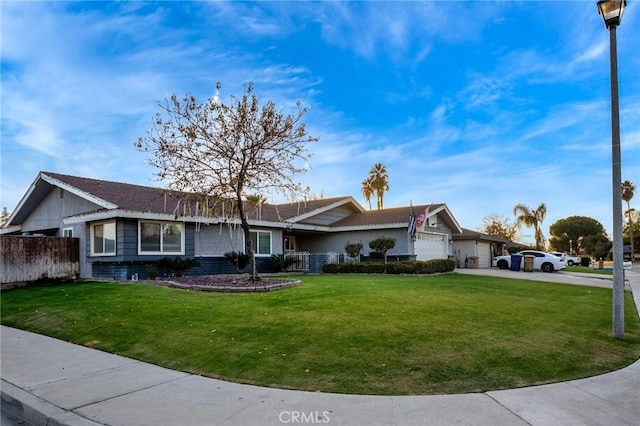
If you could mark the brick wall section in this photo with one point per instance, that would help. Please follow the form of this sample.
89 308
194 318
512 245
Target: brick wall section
124 270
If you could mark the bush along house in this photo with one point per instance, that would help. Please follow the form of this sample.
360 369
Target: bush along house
124 228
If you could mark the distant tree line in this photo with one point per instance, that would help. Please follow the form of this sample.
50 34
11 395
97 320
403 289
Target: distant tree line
579 234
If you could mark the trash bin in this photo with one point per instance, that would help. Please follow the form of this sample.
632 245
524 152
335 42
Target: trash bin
528 263
516 260
473 262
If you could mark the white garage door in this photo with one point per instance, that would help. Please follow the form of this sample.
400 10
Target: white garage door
430 246
484 255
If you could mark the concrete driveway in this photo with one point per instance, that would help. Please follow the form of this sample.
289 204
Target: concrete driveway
593 280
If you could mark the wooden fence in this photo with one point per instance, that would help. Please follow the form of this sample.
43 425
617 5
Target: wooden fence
28 258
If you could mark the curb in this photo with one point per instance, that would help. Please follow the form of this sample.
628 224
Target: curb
35 411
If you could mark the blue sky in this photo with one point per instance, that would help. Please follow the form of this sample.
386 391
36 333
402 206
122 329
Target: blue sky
481 105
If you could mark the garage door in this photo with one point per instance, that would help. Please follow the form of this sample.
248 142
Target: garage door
430 246
484 255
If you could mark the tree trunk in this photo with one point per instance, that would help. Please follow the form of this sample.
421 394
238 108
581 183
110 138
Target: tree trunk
247 238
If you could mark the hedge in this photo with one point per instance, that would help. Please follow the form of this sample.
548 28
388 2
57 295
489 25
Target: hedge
432 266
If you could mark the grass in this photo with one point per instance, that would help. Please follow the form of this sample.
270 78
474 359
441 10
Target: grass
587 270
347 334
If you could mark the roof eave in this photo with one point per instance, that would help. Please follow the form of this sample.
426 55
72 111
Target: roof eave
338 203
10 229
82 194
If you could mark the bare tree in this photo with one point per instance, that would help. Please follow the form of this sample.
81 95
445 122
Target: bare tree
499 226
228 151
4 216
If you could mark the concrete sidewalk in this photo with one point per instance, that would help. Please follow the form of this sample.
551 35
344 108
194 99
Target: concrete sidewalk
48 381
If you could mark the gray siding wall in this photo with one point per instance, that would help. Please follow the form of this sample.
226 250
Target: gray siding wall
57 205
481 249
464 249
126 248
335 242
216 240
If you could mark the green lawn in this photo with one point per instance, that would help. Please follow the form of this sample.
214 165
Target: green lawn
349 334
587 270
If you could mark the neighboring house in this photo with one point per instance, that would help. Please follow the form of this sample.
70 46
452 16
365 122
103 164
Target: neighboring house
483 247
122 227
626 252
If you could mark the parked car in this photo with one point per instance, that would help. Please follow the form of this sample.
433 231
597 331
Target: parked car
569 260
542 261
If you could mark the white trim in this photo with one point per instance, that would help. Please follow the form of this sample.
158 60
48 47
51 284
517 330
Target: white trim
10 229
255 249
72 189
64 232
445 208
23 200
128 214
161 252
338 203
115 240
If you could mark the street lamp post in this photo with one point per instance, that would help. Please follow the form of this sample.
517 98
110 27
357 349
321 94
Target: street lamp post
611 12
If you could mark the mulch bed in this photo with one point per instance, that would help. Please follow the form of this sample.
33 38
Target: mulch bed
231 283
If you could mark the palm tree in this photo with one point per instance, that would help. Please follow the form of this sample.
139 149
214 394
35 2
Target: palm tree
368 190
380 182
628 189
533 219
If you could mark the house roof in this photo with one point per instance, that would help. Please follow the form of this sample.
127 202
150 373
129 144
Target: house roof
468 234
113 199
398 216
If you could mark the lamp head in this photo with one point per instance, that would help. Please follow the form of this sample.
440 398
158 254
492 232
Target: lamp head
611 12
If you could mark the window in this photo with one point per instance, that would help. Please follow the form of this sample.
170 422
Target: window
161 238
67 232
103 239
261 241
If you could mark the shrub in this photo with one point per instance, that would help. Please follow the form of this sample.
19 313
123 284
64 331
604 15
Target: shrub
282 262
433 266
382 245
152 271
238 259
353 249
178 264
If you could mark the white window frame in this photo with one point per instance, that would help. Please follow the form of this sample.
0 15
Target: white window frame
115 239
161 223
67 232
256 249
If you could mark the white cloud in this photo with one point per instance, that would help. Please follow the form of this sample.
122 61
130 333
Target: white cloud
511 121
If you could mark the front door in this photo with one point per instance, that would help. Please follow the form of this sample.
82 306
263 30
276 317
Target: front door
290 243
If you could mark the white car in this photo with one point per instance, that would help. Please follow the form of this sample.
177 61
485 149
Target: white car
542 261
569 260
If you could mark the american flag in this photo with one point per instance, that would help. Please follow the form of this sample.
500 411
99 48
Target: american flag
411 230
